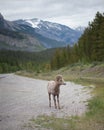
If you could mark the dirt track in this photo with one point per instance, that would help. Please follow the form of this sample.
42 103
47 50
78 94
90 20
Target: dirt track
22 98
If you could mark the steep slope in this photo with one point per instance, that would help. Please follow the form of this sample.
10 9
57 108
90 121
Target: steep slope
45 41
51 30
12 39
35 35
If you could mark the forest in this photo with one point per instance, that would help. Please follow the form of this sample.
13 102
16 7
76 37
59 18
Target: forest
12 61
90 48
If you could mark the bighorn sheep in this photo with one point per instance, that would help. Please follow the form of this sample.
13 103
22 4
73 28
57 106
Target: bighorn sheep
54 89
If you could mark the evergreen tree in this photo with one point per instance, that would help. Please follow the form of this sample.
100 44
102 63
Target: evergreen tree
91 44
89 48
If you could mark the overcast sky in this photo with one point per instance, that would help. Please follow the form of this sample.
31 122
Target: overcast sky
72 13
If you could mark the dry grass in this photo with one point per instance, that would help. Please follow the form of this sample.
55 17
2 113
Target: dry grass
76 72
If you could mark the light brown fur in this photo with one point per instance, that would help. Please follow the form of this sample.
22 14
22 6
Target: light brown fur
54 89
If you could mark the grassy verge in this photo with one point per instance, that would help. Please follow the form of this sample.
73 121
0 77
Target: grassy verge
77 72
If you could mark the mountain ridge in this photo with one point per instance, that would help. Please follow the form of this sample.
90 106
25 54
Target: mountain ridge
35 35
51 30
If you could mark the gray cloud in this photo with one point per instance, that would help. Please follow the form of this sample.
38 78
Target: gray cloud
70 12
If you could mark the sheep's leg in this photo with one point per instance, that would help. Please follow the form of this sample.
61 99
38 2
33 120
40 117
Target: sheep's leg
58 101
49 100
54 101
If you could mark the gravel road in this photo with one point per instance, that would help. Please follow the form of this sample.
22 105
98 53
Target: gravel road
22 98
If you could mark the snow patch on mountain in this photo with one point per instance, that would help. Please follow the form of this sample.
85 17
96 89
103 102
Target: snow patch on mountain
54 31
37 23
53 25
34 22
80 29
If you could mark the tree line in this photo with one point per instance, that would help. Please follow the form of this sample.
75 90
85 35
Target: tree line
89 48
11 61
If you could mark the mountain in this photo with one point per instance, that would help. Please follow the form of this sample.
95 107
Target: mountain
35 35
15 36
12 39
80 29
45 41
53 31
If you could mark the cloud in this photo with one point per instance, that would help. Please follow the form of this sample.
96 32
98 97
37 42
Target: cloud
69 12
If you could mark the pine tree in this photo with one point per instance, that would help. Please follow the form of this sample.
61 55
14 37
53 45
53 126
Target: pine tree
91 44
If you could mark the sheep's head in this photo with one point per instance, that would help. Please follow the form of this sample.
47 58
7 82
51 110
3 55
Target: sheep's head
59 80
